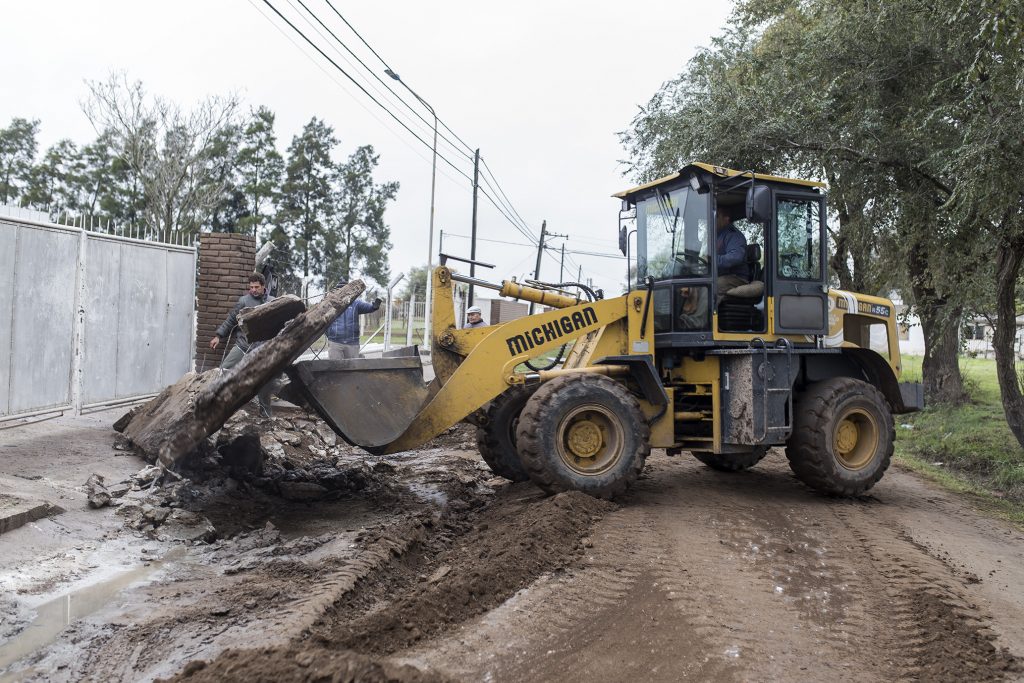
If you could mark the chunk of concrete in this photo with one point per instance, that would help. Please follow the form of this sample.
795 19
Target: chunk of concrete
96 493
260 323
16 512
173 424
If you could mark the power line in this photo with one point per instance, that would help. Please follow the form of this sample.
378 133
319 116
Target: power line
507 203
517 226
374 73
489 172
547 248
332 76
386 65
360 86
521 226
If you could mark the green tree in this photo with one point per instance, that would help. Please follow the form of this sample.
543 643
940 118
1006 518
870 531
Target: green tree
53 182
17 153
821 88
109 185
227 214
307 198
260 169
167 149
358 238
415 281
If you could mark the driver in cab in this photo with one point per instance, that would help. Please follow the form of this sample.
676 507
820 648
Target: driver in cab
731 249
731 253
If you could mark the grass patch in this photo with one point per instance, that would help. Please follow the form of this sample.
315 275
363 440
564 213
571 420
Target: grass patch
966 448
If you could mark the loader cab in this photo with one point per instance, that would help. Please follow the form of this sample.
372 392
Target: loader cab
732 256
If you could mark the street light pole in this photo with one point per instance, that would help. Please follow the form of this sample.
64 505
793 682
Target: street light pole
433 186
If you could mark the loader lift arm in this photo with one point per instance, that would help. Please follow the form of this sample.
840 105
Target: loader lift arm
474 366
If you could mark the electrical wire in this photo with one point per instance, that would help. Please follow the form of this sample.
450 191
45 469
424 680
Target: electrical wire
520 225
365 91
509 208
373 73
386 65
333 77
488 171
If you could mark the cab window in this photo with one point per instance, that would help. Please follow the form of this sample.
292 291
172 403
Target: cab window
799 239
673 235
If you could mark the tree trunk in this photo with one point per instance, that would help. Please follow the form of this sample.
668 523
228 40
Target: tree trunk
1008 262
940 368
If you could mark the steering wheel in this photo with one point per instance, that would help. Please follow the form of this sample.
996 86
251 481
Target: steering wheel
692 263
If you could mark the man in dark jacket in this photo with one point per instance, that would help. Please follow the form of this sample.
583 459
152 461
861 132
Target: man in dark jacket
730 250
343 334
256 295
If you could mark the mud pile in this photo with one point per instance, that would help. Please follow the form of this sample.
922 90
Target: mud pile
458 566
293 457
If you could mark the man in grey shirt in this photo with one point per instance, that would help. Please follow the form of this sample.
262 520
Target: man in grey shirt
256 295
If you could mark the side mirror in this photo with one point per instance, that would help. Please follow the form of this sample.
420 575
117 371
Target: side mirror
622 239
759 204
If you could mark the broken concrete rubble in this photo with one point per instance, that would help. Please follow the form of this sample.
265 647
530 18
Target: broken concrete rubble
96 493
264 322
173 424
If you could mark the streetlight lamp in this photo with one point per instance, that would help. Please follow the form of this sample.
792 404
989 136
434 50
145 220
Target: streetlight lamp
433 183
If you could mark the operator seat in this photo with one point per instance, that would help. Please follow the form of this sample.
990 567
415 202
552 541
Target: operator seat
742 307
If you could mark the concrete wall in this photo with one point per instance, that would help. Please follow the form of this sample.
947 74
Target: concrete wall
226 260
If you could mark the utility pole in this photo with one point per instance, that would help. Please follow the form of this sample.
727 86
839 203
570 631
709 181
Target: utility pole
440 242
472 240
540 252
579 278
561 265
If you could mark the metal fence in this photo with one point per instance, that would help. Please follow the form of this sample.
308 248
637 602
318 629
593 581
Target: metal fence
89 319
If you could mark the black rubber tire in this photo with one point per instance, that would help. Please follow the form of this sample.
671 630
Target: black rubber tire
496 434
732 462
594 412
820 451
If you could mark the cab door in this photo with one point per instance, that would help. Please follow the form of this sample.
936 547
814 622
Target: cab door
798 267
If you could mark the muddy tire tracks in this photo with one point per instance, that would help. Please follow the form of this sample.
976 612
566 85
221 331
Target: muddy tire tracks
695 574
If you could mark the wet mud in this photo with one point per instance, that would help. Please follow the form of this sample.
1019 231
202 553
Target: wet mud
281 554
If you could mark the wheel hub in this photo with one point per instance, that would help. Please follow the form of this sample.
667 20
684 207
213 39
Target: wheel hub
856 439
846 436
585 439
591 439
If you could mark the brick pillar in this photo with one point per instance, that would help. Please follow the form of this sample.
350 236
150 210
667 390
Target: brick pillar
225 262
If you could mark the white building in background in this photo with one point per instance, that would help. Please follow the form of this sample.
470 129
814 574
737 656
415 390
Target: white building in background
977 335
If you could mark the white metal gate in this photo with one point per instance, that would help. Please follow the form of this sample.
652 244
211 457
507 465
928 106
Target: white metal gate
89 319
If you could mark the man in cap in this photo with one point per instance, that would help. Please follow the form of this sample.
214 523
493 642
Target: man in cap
474 317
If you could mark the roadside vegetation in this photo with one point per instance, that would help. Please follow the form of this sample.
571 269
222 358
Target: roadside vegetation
968 448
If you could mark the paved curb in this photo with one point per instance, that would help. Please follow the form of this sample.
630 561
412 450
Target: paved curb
16 512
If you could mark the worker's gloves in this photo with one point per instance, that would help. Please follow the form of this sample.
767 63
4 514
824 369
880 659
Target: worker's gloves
377 302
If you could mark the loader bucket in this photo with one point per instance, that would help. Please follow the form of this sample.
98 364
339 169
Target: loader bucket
369 402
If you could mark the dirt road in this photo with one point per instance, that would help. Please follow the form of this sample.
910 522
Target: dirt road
431 570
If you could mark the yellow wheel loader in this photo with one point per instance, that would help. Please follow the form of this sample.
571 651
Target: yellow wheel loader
725 346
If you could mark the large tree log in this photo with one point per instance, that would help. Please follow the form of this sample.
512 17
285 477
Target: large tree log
171 425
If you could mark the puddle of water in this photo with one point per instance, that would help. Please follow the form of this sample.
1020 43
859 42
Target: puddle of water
53 616
428 494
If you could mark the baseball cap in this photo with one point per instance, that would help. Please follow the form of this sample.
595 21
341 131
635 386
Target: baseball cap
473 309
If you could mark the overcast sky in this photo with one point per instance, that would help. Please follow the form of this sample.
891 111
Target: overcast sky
540 87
